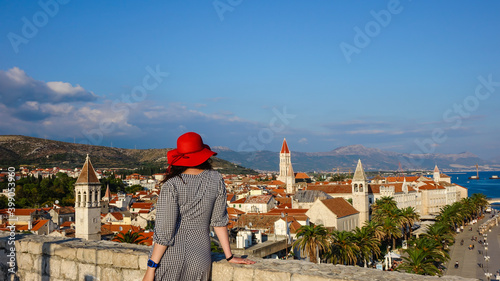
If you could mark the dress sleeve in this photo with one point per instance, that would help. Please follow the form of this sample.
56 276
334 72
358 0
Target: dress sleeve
167 211
219 213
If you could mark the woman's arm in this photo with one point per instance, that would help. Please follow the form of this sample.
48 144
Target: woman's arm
221 232
158 251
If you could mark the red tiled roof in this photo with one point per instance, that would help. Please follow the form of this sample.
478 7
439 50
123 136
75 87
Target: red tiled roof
401 179
125 227
233 211
230 196
258 199
24 212
284 147
38 224
288 211
331 188
302 176
275 182
239 201
430 186
67 224
117 215
340 207
141 205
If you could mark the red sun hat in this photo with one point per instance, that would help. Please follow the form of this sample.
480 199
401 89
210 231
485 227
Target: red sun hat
190 151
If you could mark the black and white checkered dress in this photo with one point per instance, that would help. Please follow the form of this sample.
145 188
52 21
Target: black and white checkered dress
185 212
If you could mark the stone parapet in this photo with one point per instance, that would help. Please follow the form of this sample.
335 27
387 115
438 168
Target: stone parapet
47 258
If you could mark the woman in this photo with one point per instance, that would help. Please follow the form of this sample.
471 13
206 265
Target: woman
192 198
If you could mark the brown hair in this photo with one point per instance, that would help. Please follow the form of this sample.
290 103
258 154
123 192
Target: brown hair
176 171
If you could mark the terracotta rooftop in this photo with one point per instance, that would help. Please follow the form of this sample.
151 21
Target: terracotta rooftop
239 201
258 199
284 147
340 207
141 205
65 210
401 179
124 227
24 212
38 224
301 176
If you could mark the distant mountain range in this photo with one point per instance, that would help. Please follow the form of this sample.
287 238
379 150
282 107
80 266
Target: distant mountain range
22 150
346 157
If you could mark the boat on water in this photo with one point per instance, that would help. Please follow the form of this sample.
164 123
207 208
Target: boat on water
476 177
494 177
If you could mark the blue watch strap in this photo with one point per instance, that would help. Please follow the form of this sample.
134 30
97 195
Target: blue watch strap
152 264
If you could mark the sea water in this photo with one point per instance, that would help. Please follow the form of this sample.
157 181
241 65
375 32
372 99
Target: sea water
484 185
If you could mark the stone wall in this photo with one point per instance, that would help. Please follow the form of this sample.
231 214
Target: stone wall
41 258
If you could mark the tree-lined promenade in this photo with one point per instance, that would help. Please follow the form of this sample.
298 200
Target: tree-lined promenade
390 225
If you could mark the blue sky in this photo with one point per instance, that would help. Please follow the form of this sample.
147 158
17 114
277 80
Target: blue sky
405 76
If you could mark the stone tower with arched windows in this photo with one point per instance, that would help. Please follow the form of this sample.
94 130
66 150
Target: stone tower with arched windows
286 170
360 194
87 204
437 174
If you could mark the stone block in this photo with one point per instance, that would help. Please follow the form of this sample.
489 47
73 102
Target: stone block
24 259
33 276
35 247
222 271
133 275
105 257
111 274
268 275
123 260
21 246
54 267
68 269
87 255
64 252
242 273
39 263
88 272
143 262
303 277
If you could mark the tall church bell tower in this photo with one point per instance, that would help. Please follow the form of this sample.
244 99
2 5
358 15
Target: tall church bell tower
360 194
87 204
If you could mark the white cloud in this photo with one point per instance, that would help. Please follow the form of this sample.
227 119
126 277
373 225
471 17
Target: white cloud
16 87
303 141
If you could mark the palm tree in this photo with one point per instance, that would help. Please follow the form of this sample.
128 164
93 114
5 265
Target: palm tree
311 238
343 248
436 238
409 217
375 229
480 202
450 215
368 244
419 261
391 230
129 237
381 206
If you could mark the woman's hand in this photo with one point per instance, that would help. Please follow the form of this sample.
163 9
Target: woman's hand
150 274
241 261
